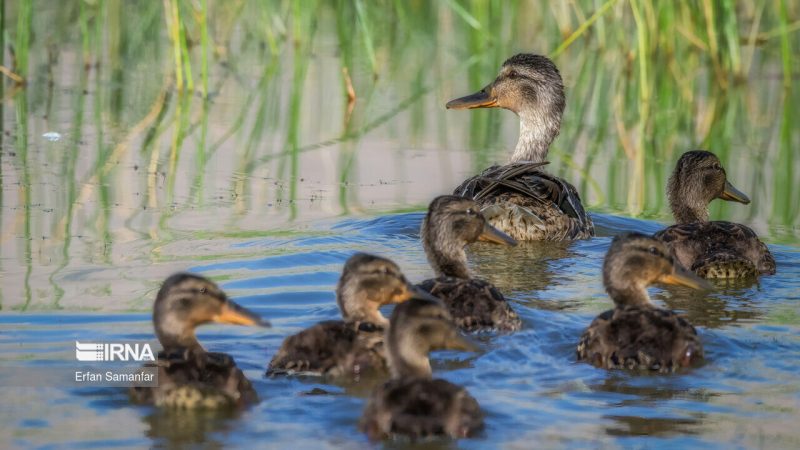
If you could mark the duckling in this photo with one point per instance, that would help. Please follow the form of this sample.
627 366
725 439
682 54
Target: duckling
412 403
188 376
715 249
636 334
519 198
452 223
353 346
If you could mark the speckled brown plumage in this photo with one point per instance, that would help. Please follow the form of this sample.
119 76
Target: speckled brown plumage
711 249
334 348
420 408
719 249
474 304
352 347
412 403
529 204
640 338
197 381
188 376
636 334
451 224
519 198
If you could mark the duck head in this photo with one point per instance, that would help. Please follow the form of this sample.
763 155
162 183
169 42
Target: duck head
530 86
634 262
698 179
418 327
367 283
186 301
452 223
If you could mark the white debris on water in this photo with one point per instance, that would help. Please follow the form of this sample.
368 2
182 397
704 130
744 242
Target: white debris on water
52 136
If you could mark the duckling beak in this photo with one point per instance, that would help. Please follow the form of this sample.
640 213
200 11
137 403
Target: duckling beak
480 99
683 277
732 194
492 234
234 314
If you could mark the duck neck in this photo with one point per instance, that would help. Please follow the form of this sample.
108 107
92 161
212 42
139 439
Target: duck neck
686 206
445 254
536 133
175 340
628 295
407 360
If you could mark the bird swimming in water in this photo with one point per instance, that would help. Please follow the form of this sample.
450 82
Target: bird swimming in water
413 403
519 198
353 346
711 249
189 377
636 334
451 224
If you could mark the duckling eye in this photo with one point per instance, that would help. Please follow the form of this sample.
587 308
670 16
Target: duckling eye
653 250
203 290
470 212
512 74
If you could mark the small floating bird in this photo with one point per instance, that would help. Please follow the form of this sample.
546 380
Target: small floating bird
715 249
188 376
451 224
412 403
353 346
519 198
636 334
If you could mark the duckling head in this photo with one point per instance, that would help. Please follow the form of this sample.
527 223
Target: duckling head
185 301
418 327
634 262
367 283
452 223
698 179
530 86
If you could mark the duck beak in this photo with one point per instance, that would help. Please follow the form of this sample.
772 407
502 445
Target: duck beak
480 99
732 194
234 314
492 234
683 277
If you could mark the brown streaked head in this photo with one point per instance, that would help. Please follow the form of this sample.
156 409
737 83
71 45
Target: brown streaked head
369 282
698 179
186 301
635 261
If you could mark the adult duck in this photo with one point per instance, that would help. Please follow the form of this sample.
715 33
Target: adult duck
451 224
413 403
636 334
711 249
189 377
519 198
353 346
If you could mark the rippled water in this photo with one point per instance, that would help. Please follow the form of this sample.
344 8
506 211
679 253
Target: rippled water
529 384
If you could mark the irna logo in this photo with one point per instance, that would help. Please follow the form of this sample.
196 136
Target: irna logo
113 352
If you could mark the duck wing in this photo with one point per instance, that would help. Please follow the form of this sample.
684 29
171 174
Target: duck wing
421 408
332 348
475 305
650 339
192 380
537 204
719 249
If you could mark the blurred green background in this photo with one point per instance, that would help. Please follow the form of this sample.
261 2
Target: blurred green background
146 132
